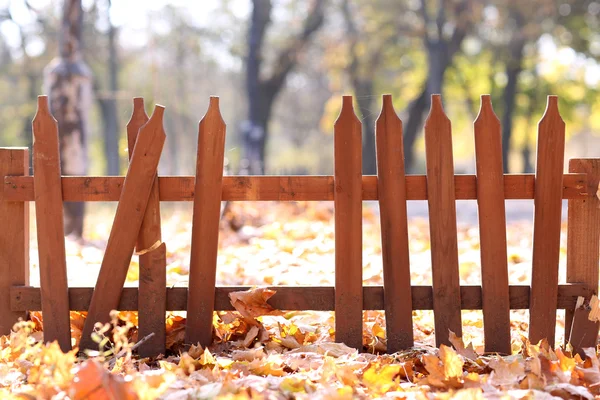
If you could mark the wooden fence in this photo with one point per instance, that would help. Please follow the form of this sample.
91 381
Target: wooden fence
137 223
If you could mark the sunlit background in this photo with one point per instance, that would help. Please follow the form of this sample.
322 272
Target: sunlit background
178 53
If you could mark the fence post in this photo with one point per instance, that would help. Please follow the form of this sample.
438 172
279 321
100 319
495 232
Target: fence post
441 198
347 161
391 188
14 242
205 226
583 247
492 229
546 224
152 298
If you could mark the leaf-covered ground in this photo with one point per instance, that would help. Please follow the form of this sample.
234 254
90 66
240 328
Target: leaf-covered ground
262 352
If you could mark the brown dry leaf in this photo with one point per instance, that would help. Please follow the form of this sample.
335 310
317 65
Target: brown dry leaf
253 303
504 373
459 345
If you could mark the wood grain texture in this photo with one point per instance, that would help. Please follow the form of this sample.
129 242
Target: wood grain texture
14 242
126 226
280 188
153 262
442 223
492 229
348 226
316 298
583 249
205 227
546 224
50 227
391 187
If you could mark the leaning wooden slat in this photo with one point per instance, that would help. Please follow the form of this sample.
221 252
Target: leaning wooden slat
492 229
50 227
394 228
205 228
279 188
442 223
153 262
14 242
546 224
317 298
348 226
583 251
126 226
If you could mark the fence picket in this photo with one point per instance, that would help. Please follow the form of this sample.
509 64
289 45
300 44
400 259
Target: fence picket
546 224
348 226
126 226
50 227
153 263
492 229
442 223
583 252
205 228
391 187
14 238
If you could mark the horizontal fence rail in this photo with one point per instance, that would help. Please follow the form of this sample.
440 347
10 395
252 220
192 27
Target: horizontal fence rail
281 188
137 226
292 298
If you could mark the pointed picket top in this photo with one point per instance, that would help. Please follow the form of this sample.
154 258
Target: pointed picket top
552 118
137 120
437 115
154 124
213 112
387 115
486 113
347 114
44 123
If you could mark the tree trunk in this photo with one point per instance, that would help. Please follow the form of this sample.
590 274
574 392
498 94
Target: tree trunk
416 115
437 63
513 68
108 106
514 65
68 82
263 92
365 105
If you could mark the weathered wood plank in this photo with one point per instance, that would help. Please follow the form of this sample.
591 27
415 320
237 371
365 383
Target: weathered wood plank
126 227
394 229
50 227
280 188
492 229
14 242
583 250
442 223
546 224
153 262
205 227
315 298
348 226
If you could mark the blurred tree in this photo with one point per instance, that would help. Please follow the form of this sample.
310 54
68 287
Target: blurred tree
442 39
108 101
262 91
365 59
68 82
